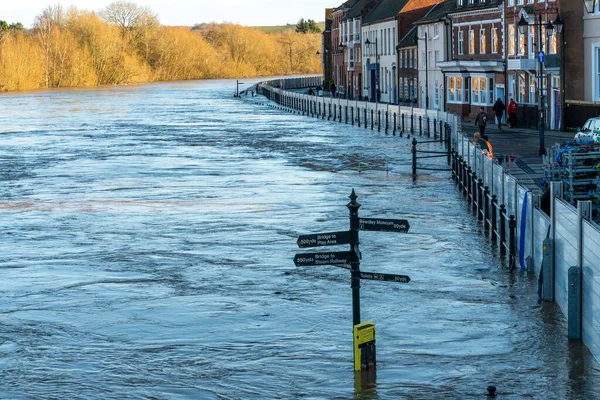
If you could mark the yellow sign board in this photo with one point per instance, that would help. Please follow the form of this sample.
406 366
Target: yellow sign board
364 346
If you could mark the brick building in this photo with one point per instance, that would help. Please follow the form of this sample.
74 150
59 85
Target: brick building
475 74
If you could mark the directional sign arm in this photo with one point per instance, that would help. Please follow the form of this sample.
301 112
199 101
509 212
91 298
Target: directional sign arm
332 258
324 239
372 276
384 225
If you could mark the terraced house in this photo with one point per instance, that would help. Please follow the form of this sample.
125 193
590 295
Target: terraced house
475 74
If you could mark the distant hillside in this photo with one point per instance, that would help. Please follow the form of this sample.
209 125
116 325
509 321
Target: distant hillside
281 28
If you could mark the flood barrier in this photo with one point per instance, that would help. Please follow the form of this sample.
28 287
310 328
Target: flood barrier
565 239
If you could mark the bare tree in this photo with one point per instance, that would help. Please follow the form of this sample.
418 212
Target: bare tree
129 17
51 19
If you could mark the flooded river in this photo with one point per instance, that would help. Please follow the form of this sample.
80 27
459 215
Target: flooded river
147 244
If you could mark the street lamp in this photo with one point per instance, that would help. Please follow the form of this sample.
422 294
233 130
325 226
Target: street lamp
368 43
523 25
590 6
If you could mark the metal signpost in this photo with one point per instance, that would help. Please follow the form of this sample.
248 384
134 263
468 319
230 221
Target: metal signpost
364 334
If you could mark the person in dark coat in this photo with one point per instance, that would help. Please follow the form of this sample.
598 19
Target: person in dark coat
481 120
333 89
499 108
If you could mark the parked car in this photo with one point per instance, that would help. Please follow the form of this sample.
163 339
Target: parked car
590 132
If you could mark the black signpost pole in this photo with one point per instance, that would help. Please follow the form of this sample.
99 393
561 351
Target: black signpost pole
353 207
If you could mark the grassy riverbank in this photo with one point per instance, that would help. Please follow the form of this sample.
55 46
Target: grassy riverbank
77 48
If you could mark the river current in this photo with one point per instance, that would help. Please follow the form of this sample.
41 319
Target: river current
147 244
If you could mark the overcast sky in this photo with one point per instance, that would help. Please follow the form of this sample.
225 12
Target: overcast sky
188 12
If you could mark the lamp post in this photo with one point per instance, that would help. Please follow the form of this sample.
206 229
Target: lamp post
344 67
559 25
523 25
369 43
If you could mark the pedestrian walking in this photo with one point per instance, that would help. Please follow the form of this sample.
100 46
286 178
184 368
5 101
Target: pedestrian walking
333 89
481 120
499 108
512 113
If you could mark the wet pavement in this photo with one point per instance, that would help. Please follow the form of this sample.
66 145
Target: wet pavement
148 235
523 147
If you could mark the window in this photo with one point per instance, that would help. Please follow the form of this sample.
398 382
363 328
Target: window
597 72
423 65
494 40
521 43
532 91
437 57
511 3
519 2
553 44
455 89
471 41
482 92
460 43
436 31
530 42
521 89
511 40
482 44
436 94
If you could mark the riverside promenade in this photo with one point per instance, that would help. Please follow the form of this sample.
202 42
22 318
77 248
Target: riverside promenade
522 146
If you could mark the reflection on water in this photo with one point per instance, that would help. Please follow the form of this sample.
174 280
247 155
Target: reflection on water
147 241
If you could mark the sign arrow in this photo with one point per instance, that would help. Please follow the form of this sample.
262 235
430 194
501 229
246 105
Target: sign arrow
324 239
384 277
383 225
332 258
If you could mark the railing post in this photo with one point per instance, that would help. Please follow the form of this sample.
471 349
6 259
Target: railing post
480 199
378 120
340 116
435 129
486 209
466 179
412 124
366 118
469 180
387 121
346 115
494 218
372 120
474 190
502 229
512 248
395 124
352 115
420 125
414 157
402 130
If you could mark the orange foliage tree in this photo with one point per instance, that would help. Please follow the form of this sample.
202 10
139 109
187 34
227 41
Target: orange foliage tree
126 44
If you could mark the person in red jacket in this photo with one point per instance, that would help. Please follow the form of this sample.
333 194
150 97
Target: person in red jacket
512 113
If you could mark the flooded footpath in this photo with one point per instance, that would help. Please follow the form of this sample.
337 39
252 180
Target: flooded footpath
147 241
